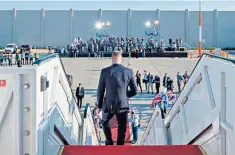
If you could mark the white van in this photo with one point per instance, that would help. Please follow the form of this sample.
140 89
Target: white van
10 48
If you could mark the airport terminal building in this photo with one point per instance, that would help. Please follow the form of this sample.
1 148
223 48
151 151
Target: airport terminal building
55 26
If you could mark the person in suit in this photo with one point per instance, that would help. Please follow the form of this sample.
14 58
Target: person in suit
145 80
165 79
138 80
179 81
157 83
80 95
185 77
116 85
170 84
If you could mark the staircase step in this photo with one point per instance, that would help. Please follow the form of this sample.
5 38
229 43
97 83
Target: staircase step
132 150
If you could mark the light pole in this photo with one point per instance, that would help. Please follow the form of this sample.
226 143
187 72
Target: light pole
200 29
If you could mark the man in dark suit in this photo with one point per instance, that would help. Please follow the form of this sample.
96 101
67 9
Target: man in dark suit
115 81
157 83
80 95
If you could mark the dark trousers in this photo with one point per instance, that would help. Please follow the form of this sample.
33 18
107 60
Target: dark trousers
163 111
26 60
137 55
135 133
31 61
157 87
179 85
75 53
10 62
79 101
122 122
22 60
139 85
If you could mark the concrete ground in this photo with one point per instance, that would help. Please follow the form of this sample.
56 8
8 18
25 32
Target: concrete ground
87 72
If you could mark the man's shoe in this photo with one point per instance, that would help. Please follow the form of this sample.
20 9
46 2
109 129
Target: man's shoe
109 143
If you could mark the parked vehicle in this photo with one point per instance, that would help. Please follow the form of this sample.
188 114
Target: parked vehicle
10 48
26 48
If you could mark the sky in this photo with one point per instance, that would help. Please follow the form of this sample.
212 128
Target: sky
191 5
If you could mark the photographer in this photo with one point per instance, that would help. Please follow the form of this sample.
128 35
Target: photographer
134 125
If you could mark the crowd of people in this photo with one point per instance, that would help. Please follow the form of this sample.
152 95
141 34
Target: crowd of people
149 80
22 58
109 44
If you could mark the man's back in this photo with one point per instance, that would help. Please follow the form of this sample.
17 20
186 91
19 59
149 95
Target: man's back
114 80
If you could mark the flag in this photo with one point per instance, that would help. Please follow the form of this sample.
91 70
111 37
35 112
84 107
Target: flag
168 99
156 99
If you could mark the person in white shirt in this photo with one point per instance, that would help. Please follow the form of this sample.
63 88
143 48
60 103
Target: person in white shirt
135 125
150 83
23 57
31 56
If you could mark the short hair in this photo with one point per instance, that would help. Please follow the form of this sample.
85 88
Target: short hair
117 53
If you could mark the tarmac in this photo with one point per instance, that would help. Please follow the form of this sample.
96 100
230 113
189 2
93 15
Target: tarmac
87 72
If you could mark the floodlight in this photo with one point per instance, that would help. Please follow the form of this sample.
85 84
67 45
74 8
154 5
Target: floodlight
108 23
98 25
156 22
103 24
148 24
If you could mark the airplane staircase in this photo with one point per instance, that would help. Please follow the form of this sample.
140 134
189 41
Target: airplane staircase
35 120
204 111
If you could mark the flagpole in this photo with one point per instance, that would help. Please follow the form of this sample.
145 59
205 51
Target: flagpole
200 29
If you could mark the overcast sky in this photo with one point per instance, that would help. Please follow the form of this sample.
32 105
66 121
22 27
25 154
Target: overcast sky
207 5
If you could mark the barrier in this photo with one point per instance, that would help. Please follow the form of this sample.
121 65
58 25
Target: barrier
144 54
219 52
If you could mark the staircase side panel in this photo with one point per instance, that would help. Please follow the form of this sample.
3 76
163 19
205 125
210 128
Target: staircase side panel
6 132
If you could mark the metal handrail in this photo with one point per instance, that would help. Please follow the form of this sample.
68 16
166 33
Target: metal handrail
220 57
204 54
87 109
54 55
156 112
40 60
66 77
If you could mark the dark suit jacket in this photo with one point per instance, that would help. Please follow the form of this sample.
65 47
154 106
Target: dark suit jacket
115 81
77 92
